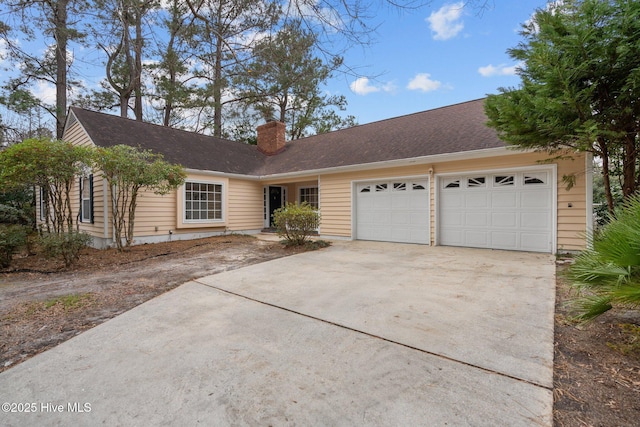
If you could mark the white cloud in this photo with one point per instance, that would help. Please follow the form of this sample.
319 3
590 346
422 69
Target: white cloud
445 22
499 70
45 91
3 50
313 10
363 86
423 82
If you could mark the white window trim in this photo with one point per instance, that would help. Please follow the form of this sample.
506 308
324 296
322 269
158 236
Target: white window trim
84 219
306 187
43 204
223 199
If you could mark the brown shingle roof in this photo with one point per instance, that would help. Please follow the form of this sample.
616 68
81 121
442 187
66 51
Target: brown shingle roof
191 150
453 129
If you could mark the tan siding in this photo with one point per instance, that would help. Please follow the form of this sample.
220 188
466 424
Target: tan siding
76 135
245 205
155 214
572 221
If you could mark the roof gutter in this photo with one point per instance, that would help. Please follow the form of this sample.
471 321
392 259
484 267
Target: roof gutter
438 158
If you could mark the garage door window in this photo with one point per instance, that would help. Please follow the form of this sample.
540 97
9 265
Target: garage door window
451 183
366 189
381 187
399 186
476 182
503 180
539 178
418 187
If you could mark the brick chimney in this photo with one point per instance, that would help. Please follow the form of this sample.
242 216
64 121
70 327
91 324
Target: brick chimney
271 137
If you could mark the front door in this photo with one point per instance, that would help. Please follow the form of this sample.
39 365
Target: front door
275 199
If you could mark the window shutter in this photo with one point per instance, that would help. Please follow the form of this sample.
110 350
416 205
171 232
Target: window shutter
91 196
80 189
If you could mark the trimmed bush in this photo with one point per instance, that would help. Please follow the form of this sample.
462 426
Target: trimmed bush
66 246
12 237
296 223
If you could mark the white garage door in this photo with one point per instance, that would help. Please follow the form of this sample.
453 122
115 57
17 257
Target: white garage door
393 211
498 210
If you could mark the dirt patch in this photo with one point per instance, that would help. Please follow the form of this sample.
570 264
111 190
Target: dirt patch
596 366
42 304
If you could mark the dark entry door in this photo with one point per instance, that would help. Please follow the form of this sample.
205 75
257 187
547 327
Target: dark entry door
275 201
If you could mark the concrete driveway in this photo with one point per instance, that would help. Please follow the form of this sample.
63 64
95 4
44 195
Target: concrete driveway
361 333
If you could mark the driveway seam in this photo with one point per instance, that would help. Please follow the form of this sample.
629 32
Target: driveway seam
441 356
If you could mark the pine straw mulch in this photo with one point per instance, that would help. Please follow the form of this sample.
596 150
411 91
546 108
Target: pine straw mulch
596 366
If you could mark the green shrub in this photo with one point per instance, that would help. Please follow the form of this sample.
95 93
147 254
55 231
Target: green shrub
65 245
296 223
608 274
12 237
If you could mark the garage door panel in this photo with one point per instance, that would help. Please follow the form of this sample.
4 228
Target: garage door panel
420 219
382 201
451 219
477 238
451 236
534 220
533 241
400 218
476 219
400 200
504 240
475 200
504 219
504 199
393 211
453 200
536 199
513 210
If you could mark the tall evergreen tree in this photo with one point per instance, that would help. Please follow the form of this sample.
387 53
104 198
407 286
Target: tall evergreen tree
28 20
283 82
580 86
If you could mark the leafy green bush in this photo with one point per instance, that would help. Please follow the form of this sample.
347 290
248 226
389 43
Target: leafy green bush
296 223
17 206
65 245
608 274
12 237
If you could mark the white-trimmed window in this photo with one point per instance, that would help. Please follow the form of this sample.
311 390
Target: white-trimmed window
43 204
309 195
202 201
86 199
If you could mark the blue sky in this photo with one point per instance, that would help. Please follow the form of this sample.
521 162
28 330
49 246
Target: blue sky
446 53
436 56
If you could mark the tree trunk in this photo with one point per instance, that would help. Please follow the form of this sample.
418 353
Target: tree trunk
62 37
137 80
629 166
217 90
604 153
